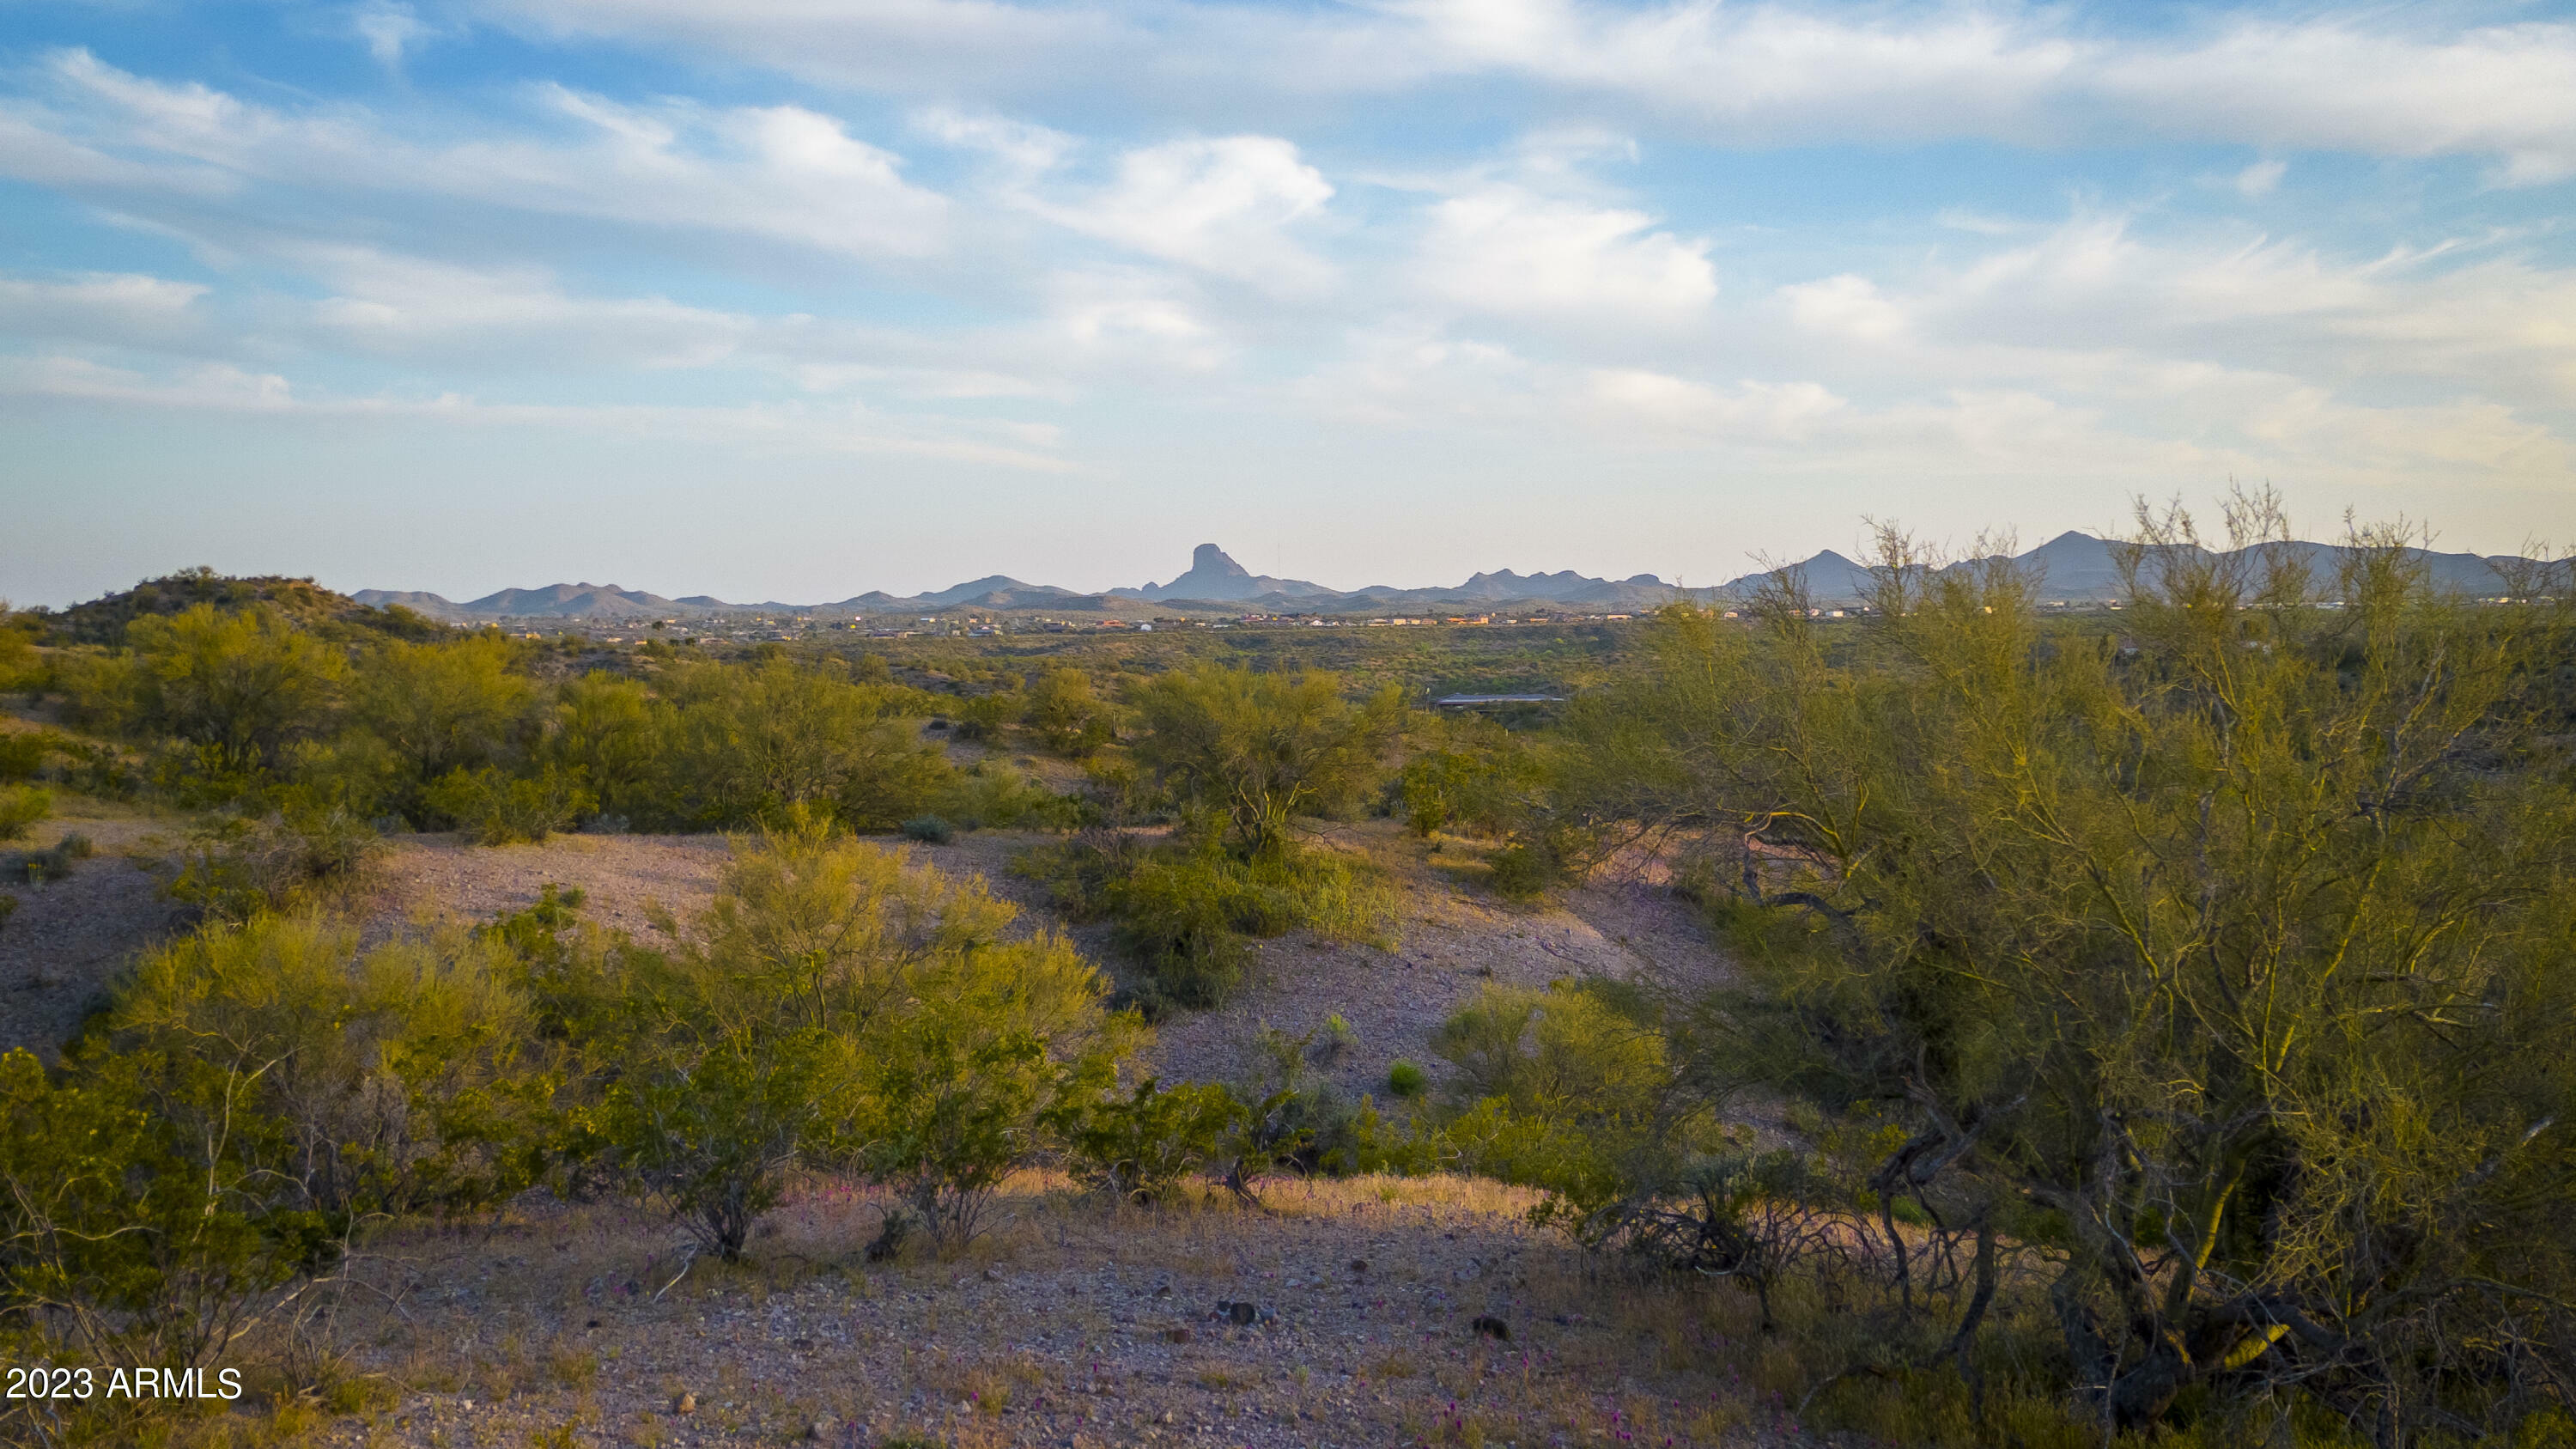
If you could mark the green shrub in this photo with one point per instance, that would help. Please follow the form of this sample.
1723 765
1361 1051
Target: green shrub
1405 1079
496 809
240 866
21 807
1185 908
929 830
1524 870
1139 1147
22 753
36 867
980 719
1073 721
942 1044
401 1078
8 907
711 1140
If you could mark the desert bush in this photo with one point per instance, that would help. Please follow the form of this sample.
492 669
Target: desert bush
938 1043
981 718
241 686
607 733
401 1079
1067 715
141 1221
2230 943
20 808
36 867
1406 1079
1580 1050
1141 1146
23 752
711 1140
238 866
929 830
1186 909
442 707
8 907
496 809
750 746
1260 750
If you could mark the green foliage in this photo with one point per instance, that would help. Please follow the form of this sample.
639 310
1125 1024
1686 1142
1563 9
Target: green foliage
20 808
1568 1051
1406 1079
712 1139
929 830
1260 750
443 707
1141 1146
141 1219
1071 720
239 866
497 809
2234 942
981 718
938 1043
1186 910
401 1078
23 752
8 907
752 745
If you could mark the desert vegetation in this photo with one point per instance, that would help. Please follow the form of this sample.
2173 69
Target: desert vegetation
2141 1026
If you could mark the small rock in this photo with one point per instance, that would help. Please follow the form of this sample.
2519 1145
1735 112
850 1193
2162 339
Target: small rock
1494 1328
992 1275
684 1403
819 1429
1176 1335
1359 1265
1239 1314
802 1345
1164 1417
594 1323
1162 1290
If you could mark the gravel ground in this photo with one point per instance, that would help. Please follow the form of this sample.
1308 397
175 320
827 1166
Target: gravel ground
70 934
1071 1324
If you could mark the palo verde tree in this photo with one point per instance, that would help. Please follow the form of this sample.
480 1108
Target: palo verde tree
2217 963
1260 750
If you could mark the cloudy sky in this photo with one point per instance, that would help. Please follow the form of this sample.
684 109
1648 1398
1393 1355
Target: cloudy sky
795 298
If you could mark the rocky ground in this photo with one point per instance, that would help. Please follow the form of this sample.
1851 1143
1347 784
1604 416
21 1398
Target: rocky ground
1384 1311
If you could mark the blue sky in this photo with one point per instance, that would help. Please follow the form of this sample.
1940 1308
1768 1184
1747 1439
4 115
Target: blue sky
796 298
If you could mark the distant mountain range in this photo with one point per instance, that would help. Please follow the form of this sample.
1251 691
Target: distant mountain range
2073 566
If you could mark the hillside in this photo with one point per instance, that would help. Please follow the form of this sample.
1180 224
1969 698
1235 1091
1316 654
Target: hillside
103 620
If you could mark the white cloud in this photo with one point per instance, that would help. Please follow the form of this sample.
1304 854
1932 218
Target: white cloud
1226 205
2262 178
1129 321
790 427
1506 250
2389 83
1026 150
1750 412
784 172
1846 306
520 317
389 29
118 308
